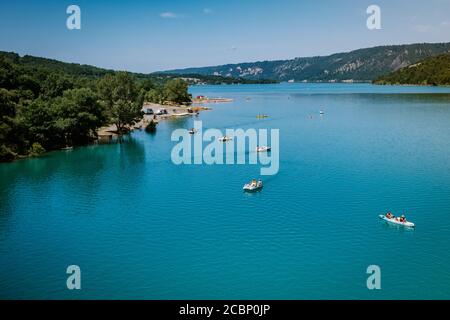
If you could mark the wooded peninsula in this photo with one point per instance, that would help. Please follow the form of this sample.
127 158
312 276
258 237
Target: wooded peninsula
48 105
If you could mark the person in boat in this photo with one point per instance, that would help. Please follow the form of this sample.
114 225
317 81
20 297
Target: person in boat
403 218
389 215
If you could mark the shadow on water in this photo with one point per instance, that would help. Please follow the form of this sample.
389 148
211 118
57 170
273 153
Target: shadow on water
87 158
130 150
256 193
82 168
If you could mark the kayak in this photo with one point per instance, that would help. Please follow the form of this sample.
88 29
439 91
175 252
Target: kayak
407 224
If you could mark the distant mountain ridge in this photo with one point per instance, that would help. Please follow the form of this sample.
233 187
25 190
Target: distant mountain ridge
358 65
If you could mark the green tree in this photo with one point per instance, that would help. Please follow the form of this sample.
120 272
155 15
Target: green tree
8 74
7 114
176 90
36 150
39 118
147 85
6 154
29 83
121 98
155 96
78 116
55 84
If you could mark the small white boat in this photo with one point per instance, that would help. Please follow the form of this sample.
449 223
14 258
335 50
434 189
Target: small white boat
192 131
225 139
263 149
322 112
396 220
253 186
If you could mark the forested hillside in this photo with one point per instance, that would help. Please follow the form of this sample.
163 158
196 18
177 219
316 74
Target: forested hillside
431 71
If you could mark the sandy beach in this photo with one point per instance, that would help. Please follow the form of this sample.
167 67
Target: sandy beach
172 112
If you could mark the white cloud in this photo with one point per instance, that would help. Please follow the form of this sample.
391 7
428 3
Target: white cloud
207 11
168 15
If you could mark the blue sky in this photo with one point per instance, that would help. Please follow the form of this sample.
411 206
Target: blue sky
146 36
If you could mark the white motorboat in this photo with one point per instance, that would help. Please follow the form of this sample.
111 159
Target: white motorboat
397 221
225 139
263 149
254 185
192 131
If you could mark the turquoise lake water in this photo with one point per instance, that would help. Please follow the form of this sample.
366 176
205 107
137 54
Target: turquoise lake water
141 227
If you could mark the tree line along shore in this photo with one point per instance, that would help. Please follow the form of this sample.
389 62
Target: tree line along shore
43 108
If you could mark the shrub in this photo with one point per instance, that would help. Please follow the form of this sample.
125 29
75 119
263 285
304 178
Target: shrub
6 154
151 127
36 150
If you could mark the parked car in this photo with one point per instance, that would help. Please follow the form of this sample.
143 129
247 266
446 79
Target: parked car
161 112
149 111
